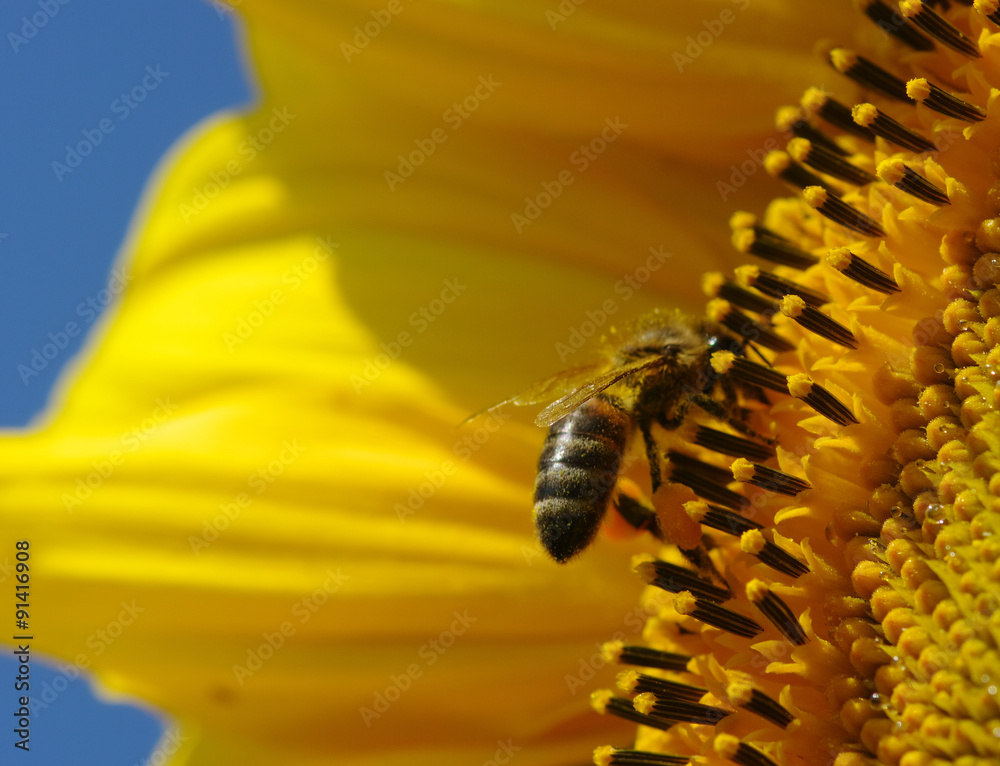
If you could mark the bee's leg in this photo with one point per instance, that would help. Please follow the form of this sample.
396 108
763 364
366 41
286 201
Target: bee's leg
635 509
729 391
652 455
700 558
680 413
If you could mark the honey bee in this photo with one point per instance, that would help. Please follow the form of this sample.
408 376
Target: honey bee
655 372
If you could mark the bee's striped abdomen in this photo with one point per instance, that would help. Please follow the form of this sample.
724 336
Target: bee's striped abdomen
576 474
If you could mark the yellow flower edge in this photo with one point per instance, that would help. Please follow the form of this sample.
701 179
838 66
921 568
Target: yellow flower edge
229 534
211 476
883 649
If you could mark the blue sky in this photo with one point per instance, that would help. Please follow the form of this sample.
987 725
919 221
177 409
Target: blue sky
93 95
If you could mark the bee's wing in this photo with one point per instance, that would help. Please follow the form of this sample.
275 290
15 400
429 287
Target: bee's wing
547 389
562 407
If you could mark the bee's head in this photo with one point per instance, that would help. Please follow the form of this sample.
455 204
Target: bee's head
662 334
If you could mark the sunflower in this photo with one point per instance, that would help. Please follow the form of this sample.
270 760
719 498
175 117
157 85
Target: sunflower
847 612
250 502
